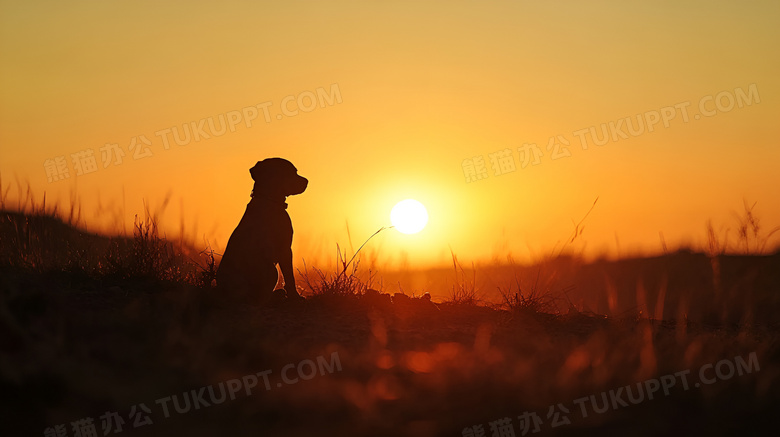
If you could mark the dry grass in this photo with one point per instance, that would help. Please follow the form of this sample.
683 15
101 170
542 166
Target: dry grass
533 300
42 239
752 239
345 282
464 291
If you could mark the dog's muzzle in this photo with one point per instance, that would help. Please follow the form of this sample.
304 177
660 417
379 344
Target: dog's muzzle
300 185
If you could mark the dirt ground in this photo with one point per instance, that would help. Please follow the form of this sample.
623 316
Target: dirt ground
160 358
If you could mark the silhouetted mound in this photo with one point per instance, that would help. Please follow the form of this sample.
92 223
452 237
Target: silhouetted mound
161 355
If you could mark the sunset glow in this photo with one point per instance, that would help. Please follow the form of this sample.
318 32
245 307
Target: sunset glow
409 216
506 134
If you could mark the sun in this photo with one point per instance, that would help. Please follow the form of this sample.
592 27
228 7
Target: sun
409 216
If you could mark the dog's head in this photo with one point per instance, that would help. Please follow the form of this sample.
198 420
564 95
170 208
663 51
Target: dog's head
277 177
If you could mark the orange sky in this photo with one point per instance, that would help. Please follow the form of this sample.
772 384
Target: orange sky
414 89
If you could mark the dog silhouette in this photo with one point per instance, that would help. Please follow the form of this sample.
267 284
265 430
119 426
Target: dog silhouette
263 237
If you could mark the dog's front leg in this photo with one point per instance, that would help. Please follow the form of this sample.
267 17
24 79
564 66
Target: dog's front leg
286 266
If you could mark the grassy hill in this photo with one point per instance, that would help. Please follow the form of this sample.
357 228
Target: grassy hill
128 331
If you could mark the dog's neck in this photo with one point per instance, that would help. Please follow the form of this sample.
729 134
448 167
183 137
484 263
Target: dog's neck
277 201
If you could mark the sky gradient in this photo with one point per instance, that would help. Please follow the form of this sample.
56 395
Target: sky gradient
405 93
